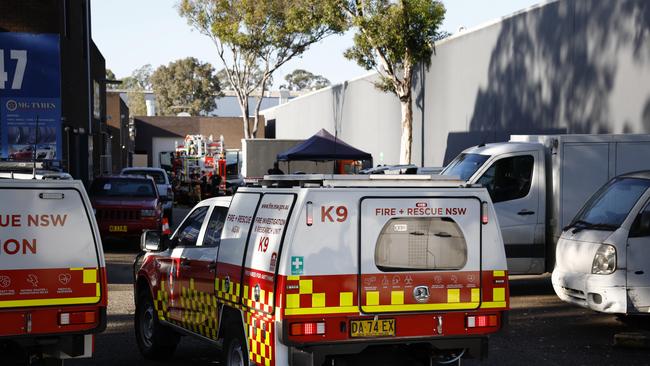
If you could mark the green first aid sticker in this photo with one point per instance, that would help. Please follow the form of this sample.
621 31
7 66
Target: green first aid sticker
297 264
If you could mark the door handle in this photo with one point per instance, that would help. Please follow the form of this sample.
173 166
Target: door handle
525 212
638 272
184 261
212 266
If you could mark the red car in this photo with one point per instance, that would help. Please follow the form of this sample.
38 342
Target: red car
126 205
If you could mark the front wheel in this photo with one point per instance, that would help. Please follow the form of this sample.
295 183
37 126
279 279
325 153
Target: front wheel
155 341
235 352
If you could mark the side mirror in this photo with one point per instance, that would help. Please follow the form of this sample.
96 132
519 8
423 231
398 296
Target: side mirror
151 241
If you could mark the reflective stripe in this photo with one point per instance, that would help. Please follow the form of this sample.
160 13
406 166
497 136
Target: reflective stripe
48 302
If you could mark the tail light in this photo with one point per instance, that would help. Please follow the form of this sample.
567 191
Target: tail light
82 317
484 213
481 321
306 329
310 213
170 193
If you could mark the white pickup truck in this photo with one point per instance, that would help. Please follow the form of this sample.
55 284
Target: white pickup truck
539 183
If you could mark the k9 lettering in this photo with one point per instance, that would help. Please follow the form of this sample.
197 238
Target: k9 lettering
326 213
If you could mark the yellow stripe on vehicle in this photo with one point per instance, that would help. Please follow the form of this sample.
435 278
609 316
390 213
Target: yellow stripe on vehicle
318 300
345 299
306 286
476 295
48 302
453 295
372 298
498 294
397 297
326 310
498 273
493 305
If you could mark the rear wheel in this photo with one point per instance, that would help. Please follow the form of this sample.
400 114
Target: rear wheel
155 341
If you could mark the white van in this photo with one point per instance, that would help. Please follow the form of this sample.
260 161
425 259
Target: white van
307 268
602 259
53 292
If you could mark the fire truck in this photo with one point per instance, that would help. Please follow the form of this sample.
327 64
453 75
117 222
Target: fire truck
311 269
196 158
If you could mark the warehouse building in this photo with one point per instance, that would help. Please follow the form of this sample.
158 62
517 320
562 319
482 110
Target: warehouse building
567 66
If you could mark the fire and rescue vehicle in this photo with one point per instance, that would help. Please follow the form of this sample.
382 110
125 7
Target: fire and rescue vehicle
306 269
52 289
195 158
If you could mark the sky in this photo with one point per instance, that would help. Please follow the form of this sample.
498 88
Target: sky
132 33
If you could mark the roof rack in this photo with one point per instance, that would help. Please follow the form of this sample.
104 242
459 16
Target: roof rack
372 180
15 165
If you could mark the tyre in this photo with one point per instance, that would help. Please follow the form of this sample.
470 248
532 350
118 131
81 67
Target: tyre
155 341
234 353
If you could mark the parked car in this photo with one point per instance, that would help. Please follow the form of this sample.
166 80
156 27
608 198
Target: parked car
43 152
52 273
602 256
126 205
305 269
163 183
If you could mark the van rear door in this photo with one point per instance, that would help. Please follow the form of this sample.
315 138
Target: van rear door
419 254
49 254
264 249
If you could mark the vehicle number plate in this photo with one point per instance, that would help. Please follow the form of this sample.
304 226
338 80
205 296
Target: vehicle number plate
372 328
117 228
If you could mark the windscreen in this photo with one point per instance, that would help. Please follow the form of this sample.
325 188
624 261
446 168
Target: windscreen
465 165
159 177
609 207
107 187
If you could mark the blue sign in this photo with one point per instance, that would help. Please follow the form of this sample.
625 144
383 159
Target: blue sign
30 96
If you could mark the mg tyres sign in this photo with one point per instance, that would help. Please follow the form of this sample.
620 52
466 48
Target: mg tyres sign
30 96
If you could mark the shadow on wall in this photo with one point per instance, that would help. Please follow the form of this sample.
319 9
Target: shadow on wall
554 68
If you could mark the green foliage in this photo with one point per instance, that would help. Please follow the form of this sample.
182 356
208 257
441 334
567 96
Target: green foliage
185 85
110 75
256 75
140 79
393 36
136 103
261 34
304 80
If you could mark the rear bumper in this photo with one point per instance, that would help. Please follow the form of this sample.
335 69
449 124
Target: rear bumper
133 228
48 338
475 346
602 293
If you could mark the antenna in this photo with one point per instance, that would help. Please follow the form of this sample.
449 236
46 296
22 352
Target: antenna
34 150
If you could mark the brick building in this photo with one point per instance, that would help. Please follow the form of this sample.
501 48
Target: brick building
83 133
158 134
